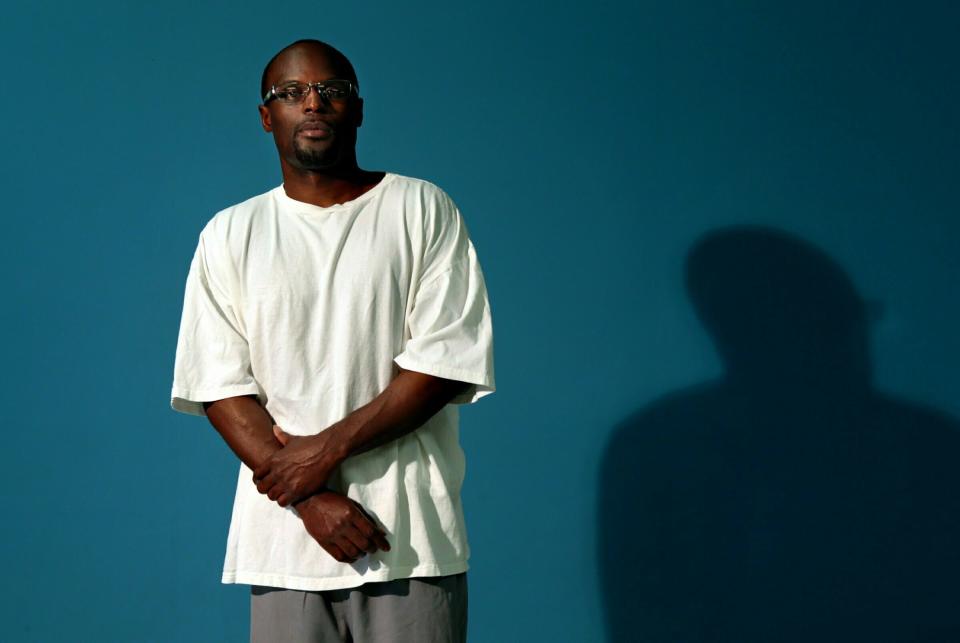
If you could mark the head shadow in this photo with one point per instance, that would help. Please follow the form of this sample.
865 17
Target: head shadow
787 500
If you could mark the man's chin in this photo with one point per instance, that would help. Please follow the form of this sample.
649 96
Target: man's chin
316 159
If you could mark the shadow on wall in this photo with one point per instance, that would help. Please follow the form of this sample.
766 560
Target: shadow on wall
789 500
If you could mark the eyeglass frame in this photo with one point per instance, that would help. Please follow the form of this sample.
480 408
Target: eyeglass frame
321 89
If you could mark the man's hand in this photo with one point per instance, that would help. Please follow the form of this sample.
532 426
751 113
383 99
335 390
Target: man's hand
297 470
304 463
341 526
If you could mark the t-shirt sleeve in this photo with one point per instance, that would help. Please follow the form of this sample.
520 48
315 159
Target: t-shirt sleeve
449 328
212 359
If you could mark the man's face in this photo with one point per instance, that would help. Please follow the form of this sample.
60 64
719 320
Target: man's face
315 134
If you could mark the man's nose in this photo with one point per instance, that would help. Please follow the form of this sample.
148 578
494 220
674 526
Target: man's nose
314 100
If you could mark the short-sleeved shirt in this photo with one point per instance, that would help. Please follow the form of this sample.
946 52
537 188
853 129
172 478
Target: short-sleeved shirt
313 309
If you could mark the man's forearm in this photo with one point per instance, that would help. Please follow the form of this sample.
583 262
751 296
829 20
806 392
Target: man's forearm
245 426
305 462
411 399
337 523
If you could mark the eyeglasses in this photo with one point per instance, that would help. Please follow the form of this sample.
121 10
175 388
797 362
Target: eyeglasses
333 90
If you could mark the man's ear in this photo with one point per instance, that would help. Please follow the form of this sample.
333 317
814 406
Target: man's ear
265 118
359 112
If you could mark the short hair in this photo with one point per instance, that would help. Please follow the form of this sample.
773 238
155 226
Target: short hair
341 62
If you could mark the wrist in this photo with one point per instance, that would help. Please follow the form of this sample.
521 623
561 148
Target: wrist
312 500
334 445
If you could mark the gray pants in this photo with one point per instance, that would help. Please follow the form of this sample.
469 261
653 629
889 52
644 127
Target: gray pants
407 610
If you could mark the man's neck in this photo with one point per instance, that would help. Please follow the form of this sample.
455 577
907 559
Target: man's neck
328 187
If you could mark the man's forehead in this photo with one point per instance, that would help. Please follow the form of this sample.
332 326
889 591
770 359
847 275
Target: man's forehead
308 63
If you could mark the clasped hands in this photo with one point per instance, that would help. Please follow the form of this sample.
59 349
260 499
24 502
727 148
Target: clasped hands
296 474
297 470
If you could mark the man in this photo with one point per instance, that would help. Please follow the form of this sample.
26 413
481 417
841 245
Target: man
330 327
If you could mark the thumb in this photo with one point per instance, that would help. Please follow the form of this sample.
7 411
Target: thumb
282 436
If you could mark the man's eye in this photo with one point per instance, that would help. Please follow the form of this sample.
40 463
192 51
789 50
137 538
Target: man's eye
290 92
336 92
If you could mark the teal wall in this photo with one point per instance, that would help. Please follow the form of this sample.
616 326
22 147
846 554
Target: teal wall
620 469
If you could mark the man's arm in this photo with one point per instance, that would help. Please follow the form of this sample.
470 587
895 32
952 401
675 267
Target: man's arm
336 522
305 462
245 426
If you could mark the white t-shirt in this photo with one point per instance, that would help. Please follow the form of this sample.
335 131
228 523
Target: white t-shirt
312 309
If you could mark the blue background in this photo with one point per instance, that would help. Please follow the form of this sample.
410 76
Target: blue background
588 147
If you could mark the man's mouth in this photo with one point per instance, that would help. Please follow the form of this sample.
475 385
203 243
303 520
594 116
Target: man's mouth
315 129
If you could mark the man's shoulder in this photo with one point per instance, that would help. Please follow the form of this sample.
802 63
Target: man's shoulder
426 202
239 215
418 186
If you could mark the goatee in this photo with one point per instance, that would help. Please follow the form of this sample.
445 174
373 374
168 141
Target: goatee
315 159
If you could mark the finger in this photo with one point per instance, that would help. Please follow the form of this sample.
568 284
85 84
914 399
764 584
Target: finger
348 548
336 552
372 533
361 542
380 540
265 484
378 535
282 436
275 492
366 527
261 471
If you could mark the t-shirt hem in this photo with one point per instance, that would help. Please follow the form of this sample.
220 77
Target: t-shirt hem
308 584
482 384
